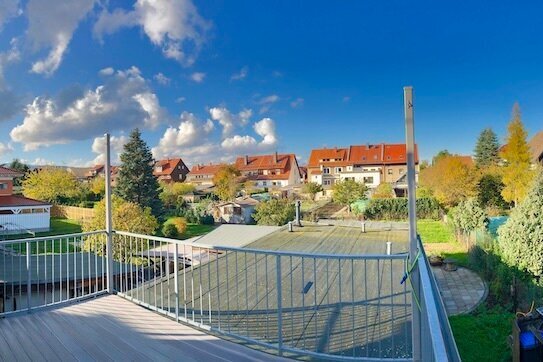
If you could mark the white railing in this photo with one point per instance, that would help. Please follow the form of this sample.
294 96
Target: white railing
45 271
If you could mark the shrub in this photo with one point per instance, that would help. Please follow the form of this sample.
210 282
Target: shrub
467 217
170 231
397 209
274 212
180 224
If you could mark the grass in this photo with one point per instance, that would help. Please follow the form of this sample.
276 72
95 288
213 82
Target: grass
482 336
433 231
193 229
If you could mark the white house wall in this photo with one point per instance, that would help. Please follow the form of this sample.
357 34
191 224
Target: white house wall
34 222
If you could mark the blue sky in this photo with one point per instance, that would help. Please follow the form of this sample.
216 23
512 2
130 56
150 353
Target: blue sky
211 80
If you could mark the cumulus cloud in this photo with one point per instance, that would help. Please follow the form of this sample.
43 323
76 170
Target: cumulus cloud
180 99
162 79
197 77
242 74
51 25
5 149
106 71
99 147
8 10
298 102
124 101
173 25
266 129
267 102
229 121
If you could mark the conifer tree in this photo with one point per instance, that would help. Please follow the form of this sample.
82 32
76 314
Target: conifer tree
487 149
516 154
136 182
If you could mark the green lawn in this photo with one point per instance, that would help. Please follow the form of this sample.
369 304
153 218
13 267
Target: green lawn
193 229
432 231
482 336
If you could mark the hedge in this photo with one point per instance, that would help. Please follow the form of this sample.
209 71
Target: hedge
397 209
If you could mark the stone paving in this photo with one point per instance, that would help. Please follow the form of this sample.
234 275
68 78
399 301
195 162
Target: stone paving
462 290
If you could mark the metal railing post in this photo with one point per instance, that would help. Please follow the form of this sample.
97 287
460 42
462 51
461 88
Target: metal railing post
413 241
176 280
279 305
109 228
28 277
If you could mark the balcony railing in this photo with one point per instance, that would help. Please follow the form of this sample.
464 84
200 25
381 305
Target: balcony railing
329 306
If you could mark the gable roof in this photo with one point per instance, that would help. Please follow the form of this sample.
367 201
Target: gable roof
16 200
210 169
265 162
536 146
168 166
8 172
369 154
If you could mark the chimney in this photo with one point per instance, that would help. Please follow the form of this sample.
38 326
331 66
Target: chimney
275 157
348 154
246 160
383 152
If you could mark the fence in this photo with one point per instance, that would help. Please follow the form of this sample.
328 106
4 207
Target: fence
72 212
46 271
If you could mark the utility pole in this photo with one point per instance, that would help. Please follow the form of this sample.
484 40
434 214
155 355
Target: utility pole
109 228
412 203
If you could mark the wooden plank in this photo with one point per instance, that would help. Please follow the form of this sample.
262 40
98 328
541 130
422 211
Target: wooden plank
31 340
13 343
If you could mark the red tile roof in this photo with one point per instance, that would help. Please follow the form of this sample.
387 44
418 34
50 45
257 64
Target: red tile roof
15 200
205 169
8 172
168 166
382 153
265 162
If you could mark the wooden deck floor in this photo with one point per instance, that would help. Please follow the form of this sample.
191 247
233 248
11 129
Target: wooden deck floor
111 328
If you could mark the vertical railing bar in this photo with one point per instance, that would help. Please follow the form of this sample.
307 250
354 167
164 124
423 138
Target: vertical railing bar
95 263
316 316
200 287
28 277
340 307
237 284
82 270
20 273
89 269
352 305
227 292
192 282
303 304
367 306
291 300
256 284
279 305
267 299
54 266
218 289
392 308
37 243
169 277
176 279
405 309
67 269
185 279
75 268
209 286
328 298
154 273
246 298
131 270
161 278
379 305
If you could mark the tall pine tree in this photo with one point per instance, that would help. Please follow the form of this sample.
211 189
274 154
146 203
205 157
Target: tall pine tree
517 175
487 149
136 182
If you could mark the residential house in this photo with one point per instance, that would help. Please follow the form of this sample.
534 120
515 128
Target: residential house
171 170
19 214
239 211
275 170
370 164
303 173
99 171
536 148
202 175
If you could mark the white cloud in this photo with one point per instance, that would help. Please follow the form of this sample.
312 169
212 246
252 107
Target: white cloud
266 129
242 74
298 102
239 143
180 100
8 10
106 71
51 25
228 120
99 147
173 25
162 79
197 77
267 102
123 102
5 149
41 162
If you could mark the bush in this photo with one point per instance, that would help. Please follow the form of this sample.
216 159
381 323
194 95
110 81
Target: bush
180 224
170 231
275 212
397 209
87 204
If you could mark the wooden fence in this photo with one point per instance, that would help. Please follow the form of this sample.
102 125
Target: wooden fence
72 212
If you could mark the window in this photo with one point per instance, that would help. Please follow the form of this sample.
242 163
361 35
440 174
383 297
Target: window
368 180
3 186
326 170
326 182
264 183
339 169
390 171
349 178
400 171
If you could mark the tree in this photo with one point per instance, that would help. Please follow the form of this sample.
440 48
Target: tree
451 179
312 188
348 191
383 191
53 185
98 186
468 216
516 154
487 149
274 212
520 239
172 193
136 182
226 182
21 167
441 154
126 216
489 190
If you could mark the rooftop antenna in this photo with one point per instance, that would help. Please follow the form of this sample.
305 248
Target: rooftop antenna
411 198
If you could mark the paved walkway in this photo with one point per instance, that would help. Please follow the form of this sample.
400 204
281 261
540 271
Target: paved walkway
462 290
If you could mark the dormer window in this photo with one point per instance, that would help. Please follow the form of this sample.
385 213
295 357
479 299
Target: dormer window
158 168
